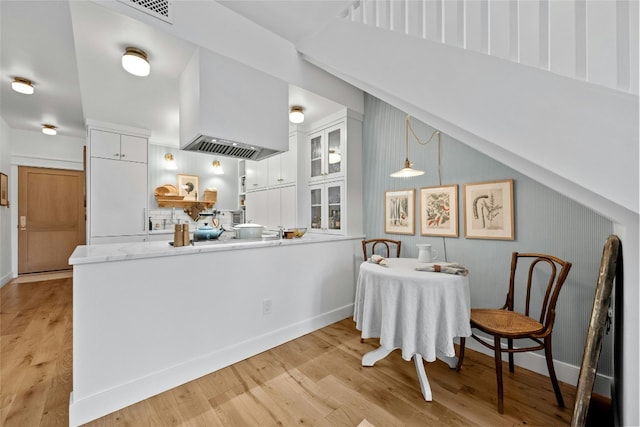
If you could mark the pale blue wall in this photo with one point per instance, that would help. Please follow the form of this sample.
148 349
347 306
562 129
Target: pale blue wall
545 222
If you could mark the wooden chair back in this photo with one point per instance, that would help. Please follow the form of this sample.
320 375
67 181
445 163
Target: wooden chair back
557 271
369 247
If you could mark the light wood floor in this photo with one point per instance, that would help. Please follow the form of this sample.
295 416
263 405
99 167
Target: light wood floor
315 380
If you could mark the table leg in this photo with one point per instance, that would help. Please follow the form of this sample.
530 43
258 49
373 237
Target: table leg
451 361
370 358
422 377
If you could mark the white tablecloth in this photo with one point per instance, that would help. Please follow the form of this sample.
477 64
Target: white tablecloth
417 311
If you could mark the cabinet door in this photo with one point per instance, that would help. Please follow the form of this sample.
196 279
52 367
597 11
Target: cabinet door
275 170
118 198
256 174
316 210
105 145
288 206
289 163
273 208
257 203
316 156
334 210
133 148
335 151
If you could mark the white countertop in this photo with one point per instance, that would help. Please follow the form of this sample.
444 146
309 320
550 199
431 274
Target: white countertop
89 254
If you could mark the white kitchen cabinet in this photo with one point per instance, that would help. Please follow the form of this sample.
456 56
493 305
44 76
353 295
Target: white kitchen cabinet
333 199
256 175
326 208
275 207
327 153
118 198
117 187
116 146
283 168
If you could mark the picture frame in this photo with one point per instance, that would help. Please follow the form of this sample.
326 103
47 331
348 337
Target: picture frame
439 211
488 210
188 186
399 211
4 190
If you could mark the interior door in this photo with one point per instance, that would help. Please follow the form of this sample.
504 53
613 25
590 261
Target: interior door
51 218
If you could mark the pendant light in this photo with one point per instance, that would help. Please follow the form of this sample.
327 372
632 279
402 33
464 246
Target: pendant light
22 85
296 115
135 62
408 171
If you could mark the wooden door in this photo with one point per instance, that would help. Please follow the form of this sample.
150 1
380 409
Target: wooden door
51 218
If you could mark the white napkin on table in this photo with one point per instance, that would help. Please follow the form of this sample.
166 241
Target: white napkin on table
380 260
445 267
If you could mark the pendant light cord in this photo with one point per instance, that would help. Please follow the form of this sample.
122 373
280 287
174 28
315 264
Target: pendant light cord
435 132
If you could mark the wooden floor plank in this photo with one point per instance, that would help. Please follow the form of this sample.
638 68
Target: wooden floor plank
315 380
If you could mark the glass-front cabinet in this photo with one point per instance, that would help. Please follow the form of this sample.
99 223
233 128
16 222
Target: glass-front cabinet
327 203
326 153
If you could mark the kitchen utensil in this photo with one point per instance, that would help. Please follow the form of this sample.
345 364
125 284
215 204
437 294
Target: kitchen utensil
249 231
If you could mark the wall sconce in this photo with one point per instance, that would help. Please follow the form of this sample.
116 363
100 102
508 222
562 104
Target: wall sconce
296 115
170 162
49 129
217 168
22 85
408 171
135 62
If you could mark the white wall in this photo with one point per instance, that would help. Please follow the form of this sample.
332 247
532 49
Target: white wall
5 213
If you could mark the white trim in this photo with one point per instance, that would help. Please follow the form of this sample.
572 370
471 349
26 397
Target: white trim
537 363
6 278
44 162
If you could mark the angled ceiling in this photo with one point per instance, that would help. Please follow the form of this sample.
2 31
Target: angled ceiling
72 49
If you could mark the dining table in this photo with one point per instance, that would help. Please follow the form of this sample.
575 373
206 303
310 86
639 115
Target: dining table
409 308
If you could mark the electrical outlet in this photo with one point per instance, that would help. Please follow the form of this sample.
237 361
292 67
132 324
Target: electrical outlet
266 306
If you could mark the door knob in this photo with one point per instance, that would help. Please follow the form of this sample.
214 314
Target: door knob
23 223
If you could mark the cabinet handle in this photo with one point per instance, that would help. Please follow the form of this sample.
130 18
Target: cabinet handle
121 155
144 219
280 180
255 185
116 155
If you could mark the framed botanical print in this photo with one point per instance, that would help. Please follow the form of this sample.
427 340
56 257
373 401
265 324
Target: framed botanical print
439 211
399 211
188 186
488 210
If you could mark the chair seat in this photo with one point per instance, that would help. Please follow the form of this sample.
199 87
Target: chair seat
504 323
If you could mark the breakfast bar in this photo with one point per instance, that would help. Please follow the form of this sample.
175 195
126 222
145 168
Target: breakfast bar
148 317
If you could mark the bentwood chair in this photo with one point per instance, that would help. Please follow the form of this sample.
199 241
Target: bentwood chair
369 247
545 278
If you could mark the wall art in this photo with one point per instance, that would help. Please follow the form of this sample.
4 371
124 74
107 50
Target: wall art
439 211
488 210
399 212
4 190
188 186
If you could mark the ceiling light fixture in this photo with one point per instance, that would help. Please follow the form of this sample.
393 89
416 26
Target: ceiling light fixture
22 85
296 115
408 171
49 129
217 168
171 163
135 62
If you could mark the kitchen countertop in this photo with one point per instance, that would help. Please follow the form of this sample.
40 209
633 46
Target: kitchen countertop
89 254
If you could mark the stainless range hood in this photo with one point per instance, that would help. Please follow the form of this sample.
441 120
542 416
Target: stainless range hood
232 110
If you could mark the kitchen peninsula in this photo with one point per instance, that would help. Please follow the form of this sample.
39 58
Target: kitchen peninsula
148 317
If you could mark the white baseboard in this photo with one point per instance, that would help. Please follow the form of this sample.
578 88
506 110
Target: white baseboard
537 363
6 279
98 405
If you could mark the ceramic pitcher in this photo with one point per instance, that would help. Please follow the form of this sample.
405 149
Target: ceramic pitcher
426 253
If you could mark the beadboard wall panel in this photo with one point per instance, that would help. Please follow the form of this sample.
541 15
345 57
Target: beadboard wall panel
545 222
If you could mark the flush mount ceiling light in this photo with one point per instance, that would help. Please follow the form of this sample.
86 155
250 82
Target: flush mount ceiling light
296 115
49 129
408 171
170 162
217 168
135 62
22 85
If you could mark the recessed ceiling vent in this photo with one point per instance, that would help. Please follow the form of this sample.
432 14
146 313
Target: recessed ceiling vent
208 145
161 9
